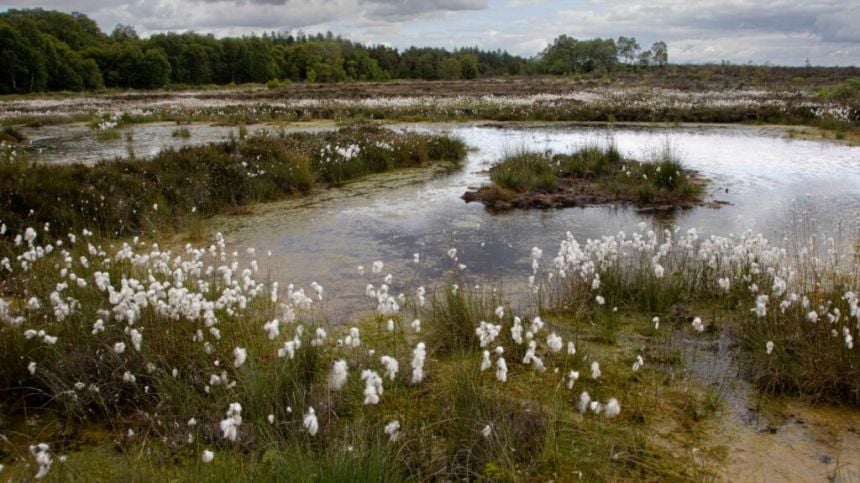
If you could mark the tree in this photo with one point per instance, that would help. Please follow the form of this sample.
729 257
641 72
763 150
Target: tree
124 33
659 54
567 55
154 69
469 66
449 69
628 49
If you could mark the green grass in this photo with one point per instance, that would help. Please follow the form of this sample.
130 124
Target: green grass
181 132
601 171
536 431
525 171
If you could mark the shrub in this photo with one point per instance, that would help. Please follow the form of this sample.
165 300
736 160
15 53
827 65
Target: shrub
11 135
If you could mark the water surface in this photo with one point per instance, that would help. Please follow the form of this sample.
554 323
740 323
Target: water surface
768 179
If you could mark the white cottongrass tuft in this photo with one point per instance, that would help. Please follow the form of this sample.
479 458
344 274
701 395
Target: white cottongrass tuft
208 456
418 355
697 324
639 363
595 370
571 379
612 408
272 328
240 355
391 366
353 339
501 369
487 333
43 458
338 376
554 342
230 425
584 401
392 429
372 386
769 347
485 361
310 422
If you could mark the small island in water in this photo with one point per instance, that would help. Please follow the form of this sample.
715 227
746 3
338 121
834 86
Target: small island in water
591 175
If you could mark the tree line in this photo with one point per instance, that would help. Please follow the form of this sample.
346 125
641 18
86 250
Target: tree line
46 50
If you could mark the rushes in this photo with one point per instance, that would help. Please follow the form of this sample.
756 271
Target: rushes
591 174
525 171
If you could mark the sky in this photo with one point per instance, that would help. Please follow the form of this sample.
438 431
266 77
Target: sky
786 32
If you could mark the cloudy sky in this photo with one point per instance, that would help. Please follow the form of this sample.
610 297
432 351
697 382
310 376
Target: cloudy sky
827 32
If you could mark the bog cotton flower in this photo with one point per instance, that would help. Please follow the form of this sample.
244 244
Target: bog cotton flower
391 366
208 456
272 328
43 458
639 363
230 425
373 386
595 370
310 422
392 429
485 361
612 408
240 355
769 347
554 342
501 369
584 401
697 324
338 376
571 379
418 355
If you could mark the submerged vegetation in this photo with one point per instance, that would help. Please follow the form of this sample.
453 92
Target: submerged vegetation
128 196
589 175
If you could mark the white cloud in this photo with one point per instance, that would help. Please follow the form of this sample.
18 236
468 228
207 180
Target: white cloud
780 31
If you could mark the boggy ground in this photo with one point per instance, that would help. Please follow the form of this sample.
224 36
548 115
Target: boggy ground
591 175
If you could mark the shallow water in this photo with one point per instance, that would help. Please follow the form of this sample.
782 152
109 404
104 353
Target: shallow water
77 143
768 179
